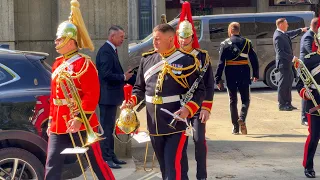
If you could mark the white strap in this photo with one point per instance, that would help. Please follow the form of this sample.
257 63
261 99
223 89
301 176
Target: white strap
64 65
157 67
194 52
167 99
315 70
244 55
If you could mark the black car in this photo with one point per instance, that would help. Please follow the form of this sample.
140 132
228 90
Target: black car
24 110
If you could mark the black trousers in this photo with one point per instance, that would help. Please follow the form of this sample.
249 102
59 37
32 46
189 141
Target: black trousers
244 90
200 144
312 140
285 86
55 161
303 111
107 121
169 150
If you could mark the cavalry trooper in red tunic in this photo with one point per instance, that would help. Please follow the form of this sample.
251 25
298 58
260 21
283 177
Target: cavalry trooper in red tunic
164 76
72 36
187 40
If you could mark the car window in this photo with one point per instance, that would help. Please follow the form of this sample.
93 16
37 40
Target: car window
197 27
267 25
46 66
218 28
7 75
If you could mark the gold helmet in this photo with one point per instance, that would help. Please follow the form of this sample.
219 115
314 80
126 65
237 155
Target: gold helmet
74 29
185 29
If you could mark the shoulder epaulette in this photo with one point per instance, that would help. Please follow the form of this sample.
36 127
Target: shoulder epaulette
202 50
226 41
248 39
309 55
148 53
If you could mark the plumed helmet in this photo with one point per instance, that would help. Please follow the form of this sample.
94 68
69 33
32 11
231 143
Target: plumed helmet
67 30
185 29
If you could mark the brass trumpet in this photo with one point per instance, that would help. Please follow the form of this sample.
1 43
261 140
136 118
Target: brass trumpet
74 104
307 80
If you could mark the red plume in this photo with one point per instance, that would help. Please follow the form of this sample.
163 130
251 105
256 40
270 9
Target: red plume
127 89
186 13
314 47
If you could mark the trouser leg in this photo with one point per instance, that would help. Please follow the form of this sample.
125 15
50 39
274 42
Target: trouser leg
232 91
158 143
55 160
173 149
285 86
107 121
244 91
200 143
312 141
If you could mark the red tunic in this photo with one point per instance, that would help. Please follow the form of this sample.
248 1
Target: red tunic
88 88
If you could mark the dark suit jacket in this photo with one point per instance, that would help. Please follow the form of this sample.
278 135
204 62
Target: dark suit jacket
110 76
306 43
283 47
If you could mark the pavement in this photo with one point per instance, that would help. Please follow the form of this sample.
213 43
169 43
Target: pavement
273 148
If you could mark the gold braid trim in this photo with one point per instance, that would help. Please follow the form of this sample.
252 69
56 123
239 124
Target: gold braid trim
148 53
169 69
208 59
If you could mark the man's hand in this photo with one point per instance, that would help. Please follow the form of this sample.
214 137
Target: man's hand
128 104
128 75
74 126
204 115
220 85
182 112
305 29
48 131
306 95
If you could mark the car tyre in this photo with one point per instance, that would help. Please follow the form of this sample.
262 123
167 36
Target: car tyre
31 165
271 77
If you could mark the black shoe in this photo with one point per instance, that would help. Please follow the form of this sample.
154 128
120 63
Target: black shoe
117 161
235 130
309 173
305 123
285 108
113 165
292 107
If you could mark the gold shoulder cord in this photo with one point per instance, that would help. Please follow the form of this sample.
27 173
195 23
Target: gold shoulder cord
181 79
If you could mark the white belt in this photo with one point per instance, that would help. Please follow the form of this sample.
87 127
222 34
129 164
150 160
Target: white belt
162 100
60 102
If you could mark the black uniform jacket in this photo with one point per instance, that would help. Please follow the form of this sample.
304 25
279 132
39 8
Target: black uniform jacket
158 120
208 79
234 53
312 62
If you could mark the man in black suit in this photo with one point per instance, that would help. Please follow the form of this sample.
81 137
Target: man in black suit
306 48
112 79
284 55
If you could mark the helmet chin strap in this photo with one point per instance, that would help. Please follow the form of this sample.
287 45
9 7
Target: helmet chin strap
66 40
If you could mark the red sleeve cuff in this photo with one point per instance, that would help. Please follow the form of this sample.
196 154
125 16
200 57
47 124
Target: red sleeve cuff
192 107
207 105
302 94
134 99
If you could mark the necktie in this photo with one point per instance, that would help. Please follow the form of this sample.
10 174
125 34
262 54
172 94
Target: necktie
116 51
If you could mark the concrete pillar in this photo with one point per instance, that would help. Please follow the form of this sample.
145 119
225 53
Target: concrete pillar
133 23
262 6
7 23
159 8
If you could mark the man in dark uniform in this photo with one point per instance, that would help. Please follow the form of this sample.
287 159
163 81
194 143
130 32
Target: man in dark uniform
312 63
187 40
306 48
234 53
284 54
164 76
64 121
